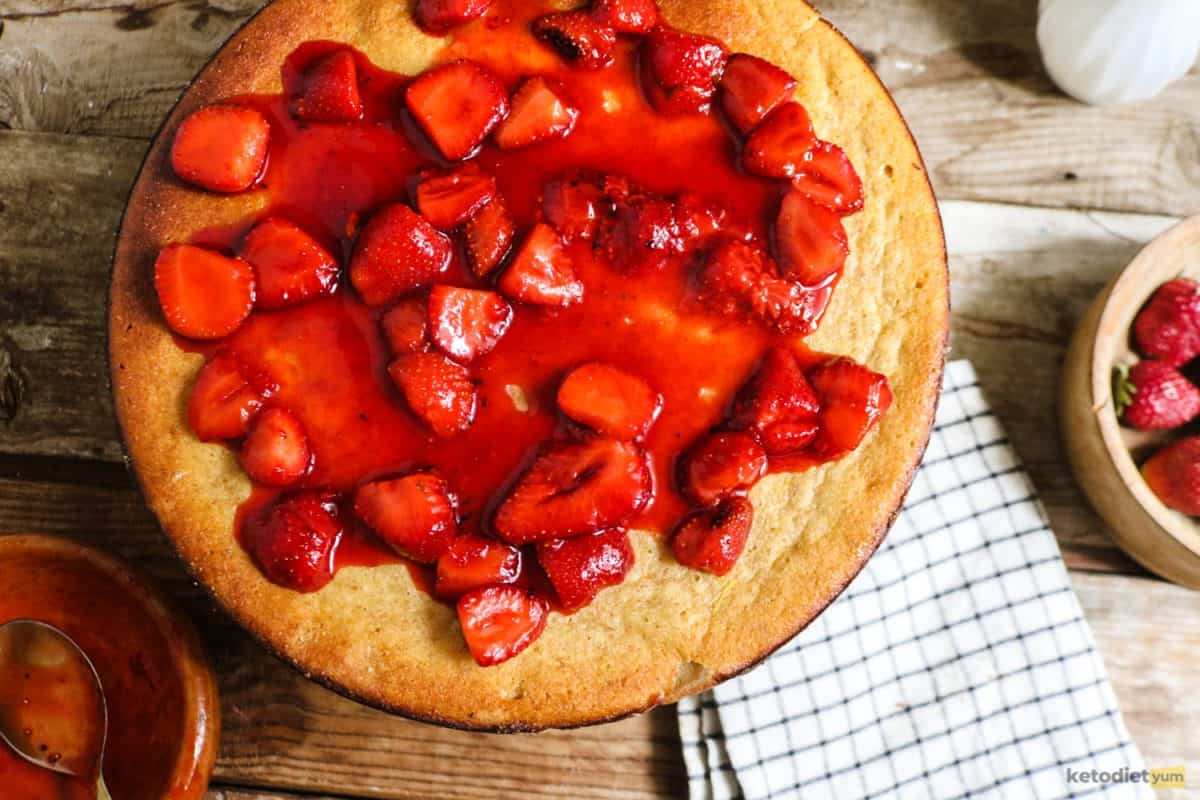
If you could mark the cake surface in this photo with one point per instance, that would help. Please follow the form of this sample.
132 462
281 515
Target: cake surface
667 631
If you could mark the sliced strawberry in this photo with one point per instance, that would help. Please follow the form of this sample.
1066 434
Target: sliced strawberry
722 464
712 541
827 177
449 199
609 400
575 488
643 234
406 326
541 273
778 392
697 219
467 323
415 515
488 236
791 307
1173 474
572 205
224 399
457 105
396 252
810 240
438 391
439 16
751 88
853 398
580 567
732 272
786 438
331 90
499 622
538 115
293 541
682 70
221 148
472 562
627 16
291 266
204 295
578 38
780 146
276 452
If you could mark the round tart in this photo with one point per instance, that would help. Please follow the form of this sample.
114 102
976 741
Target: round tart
594 367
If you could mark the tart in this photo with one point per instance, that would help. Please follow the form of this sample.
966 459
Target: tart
515 365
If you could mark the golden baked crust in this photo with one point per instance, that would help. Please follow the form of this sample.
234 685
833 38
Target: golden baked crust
668 631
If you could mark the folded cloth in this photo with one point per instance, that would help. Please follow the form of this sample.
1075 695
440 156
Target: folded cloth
957 665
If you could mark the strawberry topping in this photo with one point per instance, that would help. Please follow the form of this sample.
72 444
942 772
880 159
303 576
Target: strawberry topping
779 147
488 236
472 562
827 177
331 90
406 326
541 273
739 277
778 392
500 621
610 401
450 199
572 205
713 540
291 266
1168 328
751 88
415 515
578 37
439 16
398 251
683 70
293 541
221 148
810 240
722 464
853 398
467 323
457 105
438 391
1173 474
203 294
225 398
538 114
627 16
580 567
275 452
1155 396
787 438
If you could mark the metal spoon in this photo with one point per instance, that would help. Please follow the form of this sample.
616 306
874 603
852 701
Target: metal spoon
52 709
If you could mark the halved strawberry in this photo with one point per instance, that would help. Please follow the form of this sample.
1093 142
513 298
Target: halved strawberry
580 567
439 16
751 89
221 148
471 562
682 70
785 438
224 399
713 540
396 252
809 239
331 90
451 198
467 323
575 488
291 265
578 38
609 400
722 464
538 114
415 515
792 308
779 147
406 326
457 105
294 540
438 391
541 273
627 16
827 177
276 452
571 204
853 398
499 622
778 392
488 236
204 295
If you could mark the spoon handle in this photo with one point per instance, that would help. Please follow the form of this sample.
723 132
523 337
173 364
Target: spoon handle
102 790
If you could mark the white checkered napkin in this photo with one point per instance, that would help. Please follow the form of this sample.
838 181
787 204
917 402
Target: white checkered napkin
957 665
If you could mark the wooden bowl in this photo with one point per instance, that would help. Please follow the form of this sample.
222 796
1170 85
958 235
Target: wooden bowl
1105 455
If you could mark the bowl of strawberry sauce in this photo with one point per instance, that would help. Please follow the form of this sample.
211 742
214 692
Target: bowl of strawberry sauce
160 693
1130 405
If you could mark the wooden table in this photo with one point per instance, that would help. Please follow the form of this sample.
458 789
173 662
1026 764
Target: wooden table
1044 200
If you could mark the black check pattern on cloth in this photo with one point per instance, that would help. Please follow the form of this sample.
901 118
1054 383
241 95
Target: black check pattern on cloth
957 665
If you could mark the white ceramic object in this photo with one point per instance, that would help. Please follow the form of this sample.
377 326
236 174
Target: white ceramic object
1117 51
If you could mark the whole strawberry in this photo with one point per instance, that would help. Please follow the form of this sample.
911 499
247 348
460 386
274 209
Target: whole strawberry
1168 328
1155 396
1173 474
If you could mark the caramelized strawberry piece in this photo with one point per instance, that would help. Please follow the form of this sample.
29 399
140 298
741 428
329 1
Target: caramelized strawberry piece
683 70
472 562
538 115
221 148
722 464
627 16
406 326
275 452
778 392
610 401
224 399
580 567
578 37
467 323
499 622
572 205
853 398
575 488
828 178
810 240
331 90
786 438
449 199
415 515
457 105
293 541
751 88
438 391
439 16
541 273
204 295
780 146
488 236
291 265
398 251
713 540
